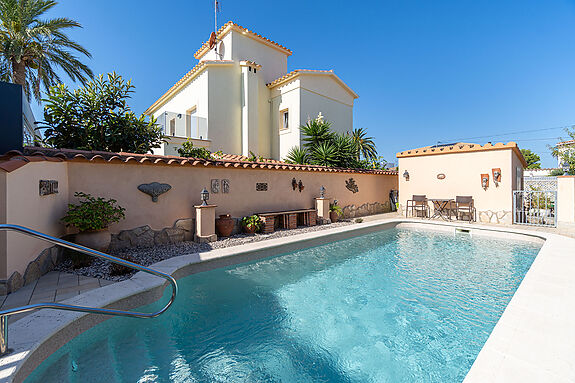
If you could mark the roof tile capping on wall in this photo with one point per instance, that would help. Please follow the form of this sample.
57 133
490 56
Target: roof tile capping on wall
462 147
14 160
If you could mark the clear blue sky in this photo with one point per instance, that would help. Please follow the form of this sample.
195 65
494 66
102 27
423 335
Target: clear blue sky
426 71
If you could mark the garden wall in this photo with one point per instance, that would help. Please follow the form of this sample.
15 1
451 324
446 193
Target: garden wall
171 217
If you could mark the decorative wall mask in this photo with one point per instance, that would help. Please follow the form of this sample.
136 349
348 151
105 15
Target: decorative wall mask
496 174
154 189
261 186
215 186
441 176
225 186
485 181
300 186
48 187
351 185
294 183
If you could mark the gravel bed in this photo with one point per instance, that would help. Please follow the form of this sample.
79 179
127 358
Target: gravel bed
149 255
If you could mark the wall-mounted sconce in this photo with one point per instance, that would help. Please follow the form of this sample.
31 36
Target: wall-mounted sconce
485 181
496 175
406 175
300 186
205 194
322 192
179 115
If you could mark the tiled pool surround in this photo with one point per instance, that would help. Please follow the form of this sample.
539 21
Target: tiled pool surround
531 342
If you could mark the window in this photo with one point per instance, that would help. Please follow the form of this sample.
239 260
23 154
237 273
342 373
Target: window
284 119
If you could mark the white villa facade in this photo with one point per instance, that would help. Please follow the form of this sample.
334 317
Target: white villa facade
240 98
562 147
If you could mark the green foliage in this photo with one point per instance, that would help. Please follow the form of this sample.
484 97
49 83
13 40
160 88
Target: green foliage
335 207
33 48
363 144
297 155
324 147
254 158
189 150
532 159
97 117
93 213
556 172
568 153
252 221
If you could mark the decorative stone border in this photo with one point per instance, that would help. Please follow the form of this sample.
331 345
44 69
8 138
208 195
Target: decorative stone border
38 335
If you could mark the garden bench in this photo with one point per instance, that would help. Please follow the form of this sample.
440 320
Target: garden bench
288 219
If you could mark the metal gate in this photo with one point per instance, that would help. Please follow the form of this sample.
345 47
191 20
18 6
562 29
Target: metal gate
535 207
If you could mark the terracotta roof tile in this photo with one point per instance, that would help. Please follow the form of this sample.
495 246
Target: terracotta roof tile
14 160
461 147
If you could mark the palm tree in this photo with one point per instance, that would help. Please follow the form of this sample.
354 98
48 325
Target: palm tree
31 49
324 154
364 145
297 155
316 131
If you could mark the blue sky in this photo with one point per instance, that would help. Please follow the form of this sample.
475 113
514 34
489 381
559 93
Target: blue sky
426 71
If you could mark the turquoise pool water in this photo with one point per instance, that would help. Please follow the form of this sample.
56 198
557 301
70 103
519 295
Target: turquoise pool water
394 306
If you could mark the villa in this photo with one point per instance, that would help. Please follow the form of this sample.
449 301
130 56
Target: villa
240 98
563 147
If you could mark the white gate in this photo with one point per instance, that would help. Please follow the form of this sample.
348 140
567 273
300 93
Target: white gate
535 207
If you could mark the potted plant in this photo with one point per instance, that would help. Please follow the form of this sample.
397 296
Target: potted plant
335 212
225 225
252 224
92 217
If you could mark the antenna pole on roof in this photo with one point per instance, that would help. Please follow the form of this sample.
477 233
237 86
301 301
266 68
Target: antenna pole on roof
216 10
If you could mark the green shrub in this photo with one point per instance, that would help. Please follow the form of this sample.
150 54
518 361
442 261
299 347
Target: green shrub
93 213
252 221
97 117
556 172
189 150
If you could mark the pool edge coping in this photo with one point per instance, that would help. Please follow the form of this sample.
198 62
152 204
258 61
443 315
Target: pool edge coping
30 343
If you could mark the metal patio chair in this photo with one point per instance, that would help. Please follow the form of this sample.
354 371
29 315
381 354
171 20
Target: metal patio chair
464 207
418 206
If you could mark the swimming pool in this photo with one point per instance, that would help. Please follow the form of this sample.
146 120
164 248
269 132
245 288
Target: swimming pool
400 305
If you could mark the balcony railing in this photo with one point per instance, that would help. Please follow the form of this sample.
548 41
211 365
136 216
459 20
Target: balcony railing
183 125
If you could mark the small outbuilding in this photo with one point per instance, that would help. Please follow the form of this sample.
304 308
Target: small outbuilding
488 173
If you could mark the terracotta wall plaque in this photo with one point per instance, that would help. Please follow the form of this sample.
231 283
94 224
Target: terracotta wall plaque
441 176
48 187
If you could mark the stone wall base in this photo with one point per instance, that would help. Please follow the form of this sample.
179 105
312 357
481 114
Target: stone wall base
44 263
352 211
498 217
145 236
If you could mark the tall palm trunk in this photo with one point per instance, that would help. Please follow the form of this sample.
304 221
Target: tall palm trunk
19 73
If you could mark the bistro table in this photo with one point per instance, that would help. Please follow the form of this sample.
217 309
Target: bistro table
441 208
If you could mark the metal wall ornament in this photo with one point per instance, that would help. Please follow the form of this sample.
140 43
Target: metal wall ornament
441 176
47 187
225 186
300 186
261 186
154 189
215 186
294 183
351 185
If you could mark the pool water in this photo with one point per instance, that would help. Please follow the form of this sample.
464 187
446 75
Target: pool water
398 305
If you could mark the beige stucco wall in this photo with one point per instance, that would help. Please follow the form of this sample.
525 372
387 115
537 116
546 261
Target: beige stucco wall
463 177
566 199
23 205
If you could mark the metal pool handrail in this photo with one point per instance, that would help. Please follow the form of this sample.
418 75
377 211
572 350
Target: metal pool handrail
61 306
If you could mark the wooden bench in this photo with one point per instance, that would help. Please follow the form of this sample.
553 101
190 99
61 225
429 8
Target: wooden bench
288 219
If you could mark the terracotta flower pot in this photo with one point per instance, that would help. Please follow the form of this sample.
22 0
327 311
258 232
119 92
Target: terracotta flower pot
225 225
333 216
249 229
94 239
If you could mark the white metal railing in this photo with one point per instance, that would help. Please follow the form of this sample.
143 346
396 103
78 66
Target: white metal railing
535 207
